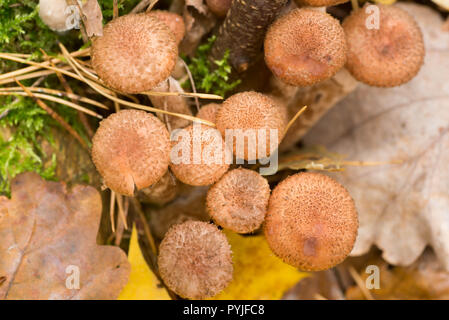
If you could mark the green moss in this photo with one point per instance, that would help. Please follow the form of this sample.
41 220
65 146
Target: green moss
208 78
22 123
124 6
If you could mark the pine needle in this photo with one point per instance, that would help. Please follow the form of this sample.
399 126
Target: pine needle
55 116
59 93
300 112
53 99
359 281
112 211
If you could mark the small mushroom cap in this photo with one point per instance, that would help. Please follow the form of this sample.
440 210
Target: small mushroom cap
173 21
388 56
311 221
319 3
219 7
53 14
239 200
195 260
198 156
304 47
250 112
131 148
135 53
209 112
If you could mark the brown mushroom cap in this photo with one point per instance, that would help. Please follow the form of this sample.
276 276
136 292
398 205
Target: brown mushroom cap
131 148
239 200
195 260
251 111
219 7
319 3
311 221
304 47
209 112
135 53
173 21
206 147
388 56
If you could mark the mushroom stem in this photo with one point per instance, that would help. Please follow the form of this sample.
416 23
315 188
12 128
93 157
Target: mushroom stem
355 5
55 116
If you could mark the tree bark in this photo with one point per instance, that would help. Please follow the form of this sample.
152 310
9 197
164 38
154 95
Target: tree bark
243 31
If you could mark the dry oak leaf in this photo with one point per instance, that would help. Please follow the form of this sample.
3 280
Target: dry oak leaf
403 207
48 234
423 280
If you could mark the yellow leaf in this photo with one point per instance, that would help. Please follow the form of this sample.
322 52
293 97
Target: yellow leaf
258 273
142 284
386 2
442 3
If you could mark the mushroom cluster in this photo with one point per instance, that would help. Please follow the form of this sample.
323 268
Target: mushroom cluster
309 220
307 46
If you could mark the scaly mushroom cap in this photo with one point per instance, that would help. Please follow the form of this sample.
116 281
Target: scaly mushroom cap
195 260
304 47
250 112
198 155
209 112
131 149
311 221
53 14
219 7
388 56
319 3
239 200
135 53
173 21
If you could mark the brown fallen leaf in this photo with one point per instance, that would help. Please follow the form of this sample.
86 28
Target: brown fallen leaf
425 279
199 21
402 207
175 104
323 284
47 236
92 18
319 98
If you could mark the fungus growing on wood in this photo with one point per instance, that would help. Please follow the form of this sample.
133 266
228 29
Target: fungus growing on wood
239 200
135 53
305 47
131 149
311 221
389 55
195 260
251 114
